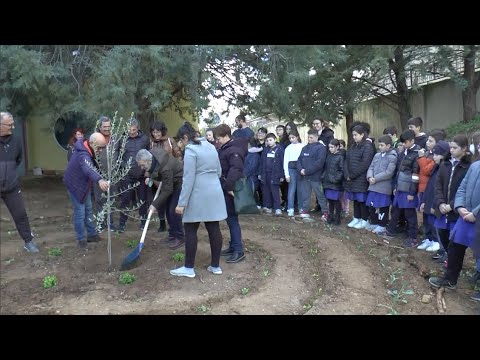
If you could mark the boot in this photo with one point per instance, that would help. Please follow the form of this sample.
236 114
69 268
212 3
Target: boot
163 226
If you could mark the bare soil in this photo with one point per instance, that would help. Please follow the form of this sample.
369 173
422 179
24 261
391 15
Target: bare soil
290 268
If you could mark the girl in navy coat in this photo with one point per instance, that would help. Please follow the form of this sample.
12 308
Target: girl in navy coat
272 175
357 162
332 181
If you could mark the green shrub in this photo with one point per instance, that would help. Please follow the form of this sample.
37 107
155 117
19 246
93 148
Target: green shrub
464 128
126 278
132 243
55 251
49 281
178 257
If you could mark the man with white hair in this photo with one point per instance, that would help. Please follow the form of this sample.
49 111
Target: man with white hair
169 170
10 159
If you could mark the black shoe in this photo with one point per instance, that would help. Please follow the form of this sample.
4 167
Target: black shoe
82 244
442 282
30 246
162 227
226 252
121 228
438 255
236 257
94 238
441 259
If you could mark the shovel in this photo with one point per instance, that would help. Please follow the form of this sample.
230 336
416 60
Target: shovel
132 258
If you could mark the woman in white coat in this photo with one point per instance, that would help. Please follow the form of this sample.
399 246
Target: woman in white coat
201 184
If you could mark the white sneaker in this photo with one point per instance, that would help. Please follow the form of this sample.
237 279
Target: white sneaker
353 222
278 212
215 270
434 246
183 271
370 227
379 229
361 224
290 212
267 210
425 244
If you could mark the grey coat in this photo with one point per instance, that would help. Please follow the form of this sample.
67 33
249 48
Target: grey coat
202 194
383 170
468 193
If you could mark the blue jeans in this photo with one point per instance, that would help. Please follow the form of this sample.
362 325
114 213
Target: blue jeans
82 217
235 233
294 186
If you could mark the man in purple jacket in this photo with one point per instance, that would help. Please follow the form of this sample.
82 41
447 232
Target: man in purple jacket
79 178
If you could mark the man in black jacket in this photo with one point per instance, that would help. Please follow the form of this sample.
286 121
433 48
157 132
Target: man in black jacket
10 159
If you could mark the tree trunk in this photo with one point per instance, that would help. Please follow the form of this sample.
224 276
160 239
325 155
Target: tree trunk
473 82
348 123
398 68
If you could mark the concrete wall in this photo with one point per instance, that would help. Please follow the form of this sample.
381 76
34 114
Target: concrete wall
439 104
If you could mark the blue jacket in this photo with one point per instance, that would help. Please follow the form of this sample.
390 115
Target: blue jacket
277 166
79 176
312 159
252 162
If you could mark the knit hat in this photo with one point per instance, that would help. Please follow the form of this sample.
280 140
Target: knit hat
441 148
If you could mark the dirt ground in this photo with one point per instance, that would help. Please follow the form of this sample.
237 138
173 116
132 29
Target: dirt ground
290 268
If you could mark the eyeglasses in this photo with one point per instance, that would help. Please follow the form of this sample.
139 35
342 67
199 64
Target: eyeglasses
8 125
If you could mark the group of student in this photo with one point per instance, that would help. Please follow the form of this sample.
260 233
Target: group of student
417 171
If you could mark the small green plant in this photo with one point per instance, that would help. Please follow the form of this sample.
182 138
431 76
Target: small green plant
178 257
49 281
132 243
313 251
55 251
245 291
268 257
203 308
266 272
316 276
392 310
399 295
307 307
126 278
392 277
9 261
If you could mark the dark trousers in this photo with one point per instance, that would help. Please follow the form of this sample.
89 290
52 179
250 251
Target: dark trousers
271 193
335 209
284 192
444 235
456 253
14 202
411 217
429 230
191 241
360 210
378 216
134 195
175 229
162 209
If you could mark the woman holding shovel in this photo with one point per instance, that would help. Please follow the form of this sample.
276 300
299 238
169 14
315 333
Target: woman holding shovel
201 184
